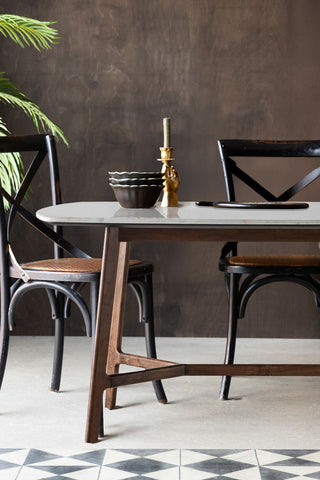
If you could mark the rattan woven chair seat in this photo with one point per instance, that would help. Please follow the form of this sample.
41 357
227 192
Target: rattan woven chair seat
276 260
70 265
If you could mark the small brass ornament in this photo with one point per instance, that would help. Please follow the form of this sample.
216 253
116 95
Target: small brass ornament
171 179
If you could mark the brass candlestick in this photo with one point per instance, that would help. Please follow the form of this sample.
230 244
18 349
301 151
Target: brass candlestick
170 177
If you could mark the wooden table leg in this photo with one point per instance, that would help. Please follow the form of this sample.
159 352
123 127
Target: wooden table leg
115 338
114 268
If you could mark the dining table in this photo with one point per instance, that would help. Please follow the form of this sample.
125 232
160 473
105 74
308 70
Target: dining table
188 222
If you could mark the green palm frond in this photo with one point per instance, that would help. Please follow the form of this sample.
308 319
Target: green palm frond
11 162
10 94
40 35
27 31
3 128
11 167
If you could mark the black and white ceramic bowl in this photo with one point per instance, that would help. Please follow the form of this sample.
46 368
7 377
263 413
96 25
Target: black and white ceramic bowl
137 196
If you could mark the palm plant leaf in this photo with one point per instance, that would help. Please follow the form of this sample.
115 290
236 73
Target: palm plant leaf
40 35
10 94
11 167
27 31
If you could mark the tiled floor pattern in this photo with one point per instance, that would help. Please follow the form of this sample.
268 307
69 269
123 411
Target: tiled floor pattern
122 464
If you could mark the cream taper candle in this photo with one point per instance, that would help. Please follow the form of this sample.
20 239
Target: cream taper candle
166 132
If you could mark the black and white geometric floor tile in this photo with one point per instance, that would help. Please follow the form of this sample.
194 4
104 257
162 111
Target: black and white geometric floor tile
164 464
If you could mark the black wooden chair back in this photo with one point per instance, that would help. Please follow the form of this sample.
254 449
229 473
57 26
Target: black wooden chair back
43 147
231 149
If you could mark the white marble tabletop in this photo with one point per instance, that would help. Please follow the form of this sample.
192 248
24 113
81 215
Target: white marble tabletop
186 214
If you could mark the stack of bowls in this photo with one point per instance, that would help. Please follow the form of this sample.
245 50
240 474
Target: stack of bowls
136 189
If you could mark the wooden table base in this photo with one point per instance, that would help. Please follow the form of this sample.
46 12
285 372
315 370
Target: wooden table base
107 352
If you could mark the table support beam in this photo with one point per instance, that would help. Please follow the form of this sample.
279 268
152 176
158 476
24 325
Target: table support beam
141 376
253 370
252 233
143 362
178 370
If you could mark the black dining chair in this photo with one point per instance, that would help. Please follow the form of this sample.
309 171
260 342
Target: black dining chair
60 277
244 274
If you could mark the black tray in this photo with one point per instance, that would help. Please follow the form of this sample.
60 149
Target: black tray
265 205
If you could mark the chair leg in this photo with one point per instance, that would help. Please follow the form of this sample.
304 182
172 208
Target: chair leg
232 332
4 346
151 352
58 347
101 425
150 340
4 303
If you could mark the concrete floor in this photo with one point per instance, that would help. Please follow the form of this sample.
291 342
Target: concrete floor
263 413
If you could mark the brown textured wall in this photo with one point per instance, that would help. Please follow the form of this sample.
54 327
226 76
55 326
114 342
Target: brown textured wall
219 68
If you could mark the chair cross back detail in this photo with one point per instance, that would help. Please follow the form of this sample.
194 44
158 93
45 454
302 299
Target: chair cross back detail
43 146
266 148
